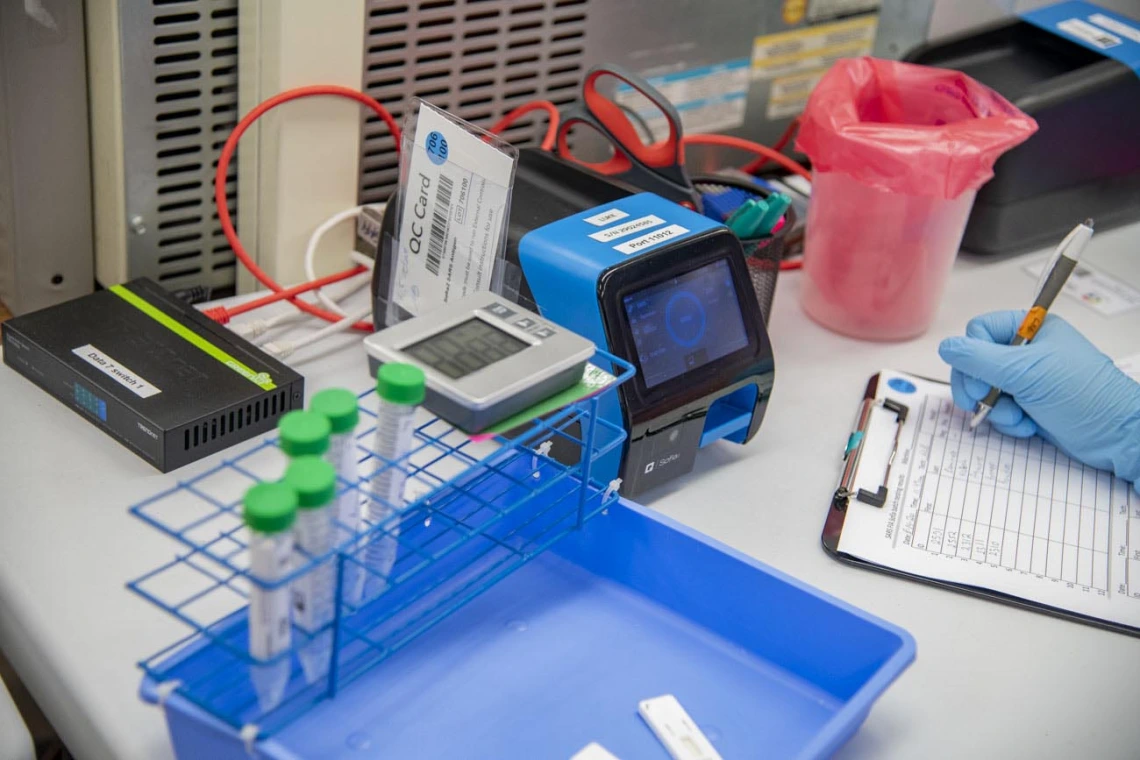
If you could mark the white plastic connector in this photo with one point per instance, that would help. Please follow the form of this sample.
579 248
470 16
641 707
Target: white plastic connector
282 349
251 329
543 450
279 349
362 259
248 736
165 689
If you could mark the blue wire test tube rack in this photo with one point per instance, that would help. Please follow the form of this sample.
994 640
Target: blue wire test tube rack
475 512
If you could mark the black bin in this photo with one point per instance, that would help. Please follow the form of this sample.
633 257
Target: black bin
1085 159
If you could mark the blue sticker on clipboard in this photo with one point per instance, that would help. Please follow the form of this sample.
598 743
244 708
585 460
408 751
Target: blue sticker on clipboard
901 385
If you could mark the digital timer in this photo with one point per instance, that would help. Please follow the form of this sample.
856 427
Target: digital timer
484 358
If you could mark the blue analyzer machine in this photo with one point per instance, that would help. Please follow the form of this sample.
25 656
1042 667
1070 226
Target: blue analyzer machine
651 282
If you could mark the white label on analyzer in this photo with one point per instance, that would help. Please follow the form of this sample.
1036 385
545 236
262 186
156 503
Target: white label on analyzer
116 371
627 228
653 238
605 217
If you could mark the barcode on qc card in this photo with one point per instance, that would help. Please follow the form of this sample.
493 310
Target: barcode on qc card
437 235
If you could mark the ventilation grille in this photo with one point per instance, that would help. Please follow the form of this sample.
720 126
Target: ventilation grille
477 59
177 113
236 420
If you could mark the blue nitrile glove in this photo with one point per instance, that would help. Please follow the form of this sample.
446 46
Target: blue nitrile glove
1059 385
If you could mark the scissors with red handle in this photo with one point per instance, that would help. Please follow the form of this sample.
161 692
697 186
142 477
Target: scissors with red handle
657 167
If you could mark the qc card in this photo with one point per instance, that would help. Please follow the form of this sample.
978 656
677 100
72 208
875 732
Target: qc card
455 197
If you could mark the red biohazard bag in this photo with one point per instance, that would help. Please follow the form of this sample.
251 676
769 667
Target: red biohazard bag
898 152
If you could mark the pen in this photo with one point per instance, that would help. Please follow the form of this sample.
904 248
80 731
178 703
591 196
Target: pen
1057 273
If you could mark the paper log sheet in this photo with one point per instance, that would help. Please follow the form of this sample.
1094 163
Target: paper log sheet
979 508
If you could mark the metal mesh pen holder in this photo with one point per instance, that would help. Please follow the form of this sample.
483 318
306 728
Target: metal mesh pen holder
475 513
763 256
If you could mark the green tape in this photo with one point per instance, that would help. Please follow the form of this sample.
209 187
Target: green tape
594 380
260 379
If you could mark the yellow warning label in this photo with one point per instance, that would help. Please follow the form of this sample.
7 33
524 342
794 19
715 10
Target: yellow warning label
788 95
816 47
794 11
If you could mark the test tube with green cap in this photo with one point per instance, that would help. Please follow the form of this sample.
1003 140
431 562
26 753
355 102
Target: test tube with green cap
314 481
269 510
303 433
339 407
401 389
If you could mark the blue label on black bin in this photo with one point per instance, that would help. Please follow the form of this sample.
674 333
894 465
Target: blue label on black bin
1110 34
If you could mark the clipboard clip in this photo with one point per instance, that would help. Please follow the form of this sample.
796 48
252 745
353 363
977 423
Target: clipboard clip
854 451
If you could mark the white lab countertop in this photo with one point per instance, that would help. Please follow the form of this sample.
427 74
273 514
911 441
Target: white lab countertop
989 681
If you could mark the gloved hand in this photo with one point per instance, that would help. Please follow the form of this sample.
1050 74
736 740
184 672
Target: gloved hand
1058 385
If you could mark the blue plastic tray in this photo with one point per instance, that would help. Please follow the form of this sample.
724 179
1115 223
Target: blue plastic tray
559 653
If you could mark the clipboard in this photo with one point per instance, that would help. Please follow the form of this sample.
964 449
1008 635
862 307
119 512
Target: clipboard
849 498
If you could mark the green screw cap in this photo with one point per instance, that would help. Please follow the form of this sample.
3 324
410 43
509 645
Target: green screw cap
313 480
400 383
269 507
339 406
304 433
